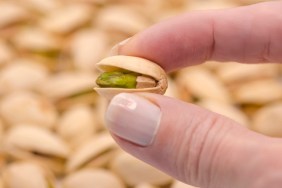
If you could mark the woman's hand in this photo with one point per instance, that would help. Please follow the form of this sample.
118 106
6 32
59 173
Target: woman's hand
192 144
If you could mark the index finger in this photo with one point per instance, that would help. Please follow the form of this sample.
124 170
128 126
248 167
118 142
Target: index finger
250 34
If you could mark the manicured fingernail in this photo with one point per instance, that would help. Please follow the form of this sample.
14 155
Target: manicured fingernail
116 49
133 118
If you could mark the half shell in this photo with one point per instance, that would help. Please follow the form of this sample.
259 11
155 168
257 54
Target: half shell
133 64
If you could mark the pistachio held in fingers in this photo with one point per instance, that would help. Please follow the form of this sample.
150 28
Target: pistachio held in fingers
129 74
124 80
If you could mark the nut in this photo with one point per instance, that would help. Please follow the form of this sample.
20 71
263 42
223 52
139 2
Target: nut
268 120
137 172
66 19
28 107
38 144
21 74
90 178
95 152
136 67
201 83
77 125
27 175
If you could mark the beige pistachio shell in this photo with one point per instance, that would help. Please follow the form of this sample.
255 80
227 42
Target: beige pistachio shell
90 178
133 171
77 125
25 141
27 175
95 151
268 120
134 64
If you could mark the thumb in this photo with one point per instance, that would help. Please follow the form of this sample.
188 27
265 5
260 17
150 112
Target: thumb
191 144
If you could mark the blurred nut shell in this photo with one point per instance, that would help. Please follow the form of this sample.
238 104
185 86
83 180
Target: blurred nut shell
37 144
258 92
21 74
66 84
137 172
27 175
90 178
97 151
36 40
27 138
67 18
121 19
134 64
268 120
200 83
11 13
77 125
27 107
41 6
232 73
88 47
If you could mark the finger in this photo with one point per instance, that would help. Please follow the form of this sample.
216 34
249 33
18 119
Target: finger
244 34
193 145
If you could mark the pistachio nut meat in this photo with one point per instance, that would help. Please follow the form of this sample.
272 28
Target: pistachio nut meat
129 74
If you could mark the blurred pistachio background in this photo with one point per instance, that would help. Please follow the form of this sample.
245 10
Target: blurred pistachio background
51 121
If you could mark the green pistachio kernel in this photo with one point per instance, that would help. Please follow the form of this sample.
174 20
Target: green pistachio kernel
117 79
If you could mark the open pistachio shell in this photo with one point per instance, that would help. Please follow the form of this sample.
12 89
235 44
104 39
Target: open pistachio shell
136 65
90 178
27 175
95 152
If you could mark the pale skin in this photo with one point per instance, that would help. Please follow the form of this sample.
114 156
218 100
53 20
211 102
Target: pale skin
219 153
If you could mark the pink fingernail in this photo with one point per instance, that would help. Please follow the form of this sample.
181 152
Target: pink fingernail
133 118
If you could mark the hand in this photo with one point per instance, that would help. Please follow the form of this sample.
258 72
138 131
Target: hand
191 144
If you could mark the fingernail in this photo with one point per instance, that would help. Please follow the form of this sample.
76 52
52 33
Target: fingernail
116 49
133 118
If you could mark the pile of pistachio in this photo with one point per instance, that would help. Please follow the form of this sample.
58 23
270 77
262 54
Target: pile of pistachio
52 132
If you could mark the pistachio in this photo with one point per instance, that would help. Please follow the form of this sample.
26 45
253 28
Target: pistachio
89 178
96 152
27 175
21 74
38 144
235 73
130 74
121 20
260 91
82 46
29 108
268 120
125 80
77 125
68 88
66 19
11 13
34 39
201 83
137 172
